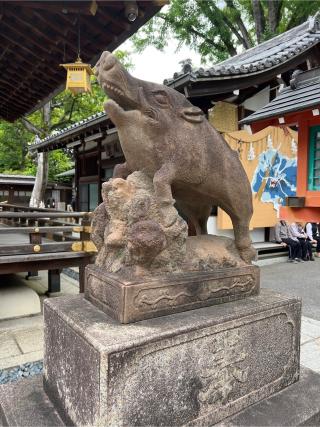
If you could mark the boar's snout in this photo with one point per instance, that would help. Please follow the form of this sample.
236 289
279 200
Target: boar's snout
105 63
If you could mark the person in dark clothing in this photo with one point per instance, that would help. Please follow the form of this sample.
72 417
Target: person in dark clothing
285 237
313 233
306 245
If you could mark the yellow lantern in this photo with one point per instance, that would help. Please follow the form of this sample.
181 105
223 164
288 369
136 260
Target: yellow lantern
78 76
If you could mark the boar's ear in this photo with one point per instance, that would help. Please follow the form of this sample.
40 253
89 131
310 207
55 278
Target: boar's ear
192 114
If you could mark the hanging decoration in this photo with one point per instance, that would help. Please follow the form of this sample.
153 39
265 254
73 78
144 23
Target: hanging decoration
240 149
294 146
269 142
78 73
251 153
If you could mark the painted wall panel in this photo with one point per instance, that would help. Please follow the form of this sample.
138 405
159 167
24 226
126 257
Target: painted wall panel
269 158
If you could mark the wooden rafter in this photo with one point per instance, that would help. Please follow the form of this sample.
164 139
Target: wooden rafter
36 37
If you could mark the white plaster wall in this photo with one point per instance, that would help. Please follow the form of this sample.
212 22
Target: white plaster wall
257 234
257 101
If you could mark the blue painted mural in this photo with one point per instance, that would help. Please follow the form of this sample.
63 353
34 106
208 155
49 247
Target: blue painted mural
275 177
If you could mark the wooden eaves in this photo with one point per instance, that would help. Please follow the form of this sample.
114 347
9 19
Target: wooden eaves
37 36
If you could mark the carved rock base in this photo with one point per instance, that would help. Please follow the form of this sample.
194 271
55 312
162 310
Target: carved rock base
191 368
129 301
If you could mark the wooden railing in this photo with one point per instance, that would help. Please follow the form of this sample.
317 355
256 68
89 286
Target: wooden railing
51 233
44 235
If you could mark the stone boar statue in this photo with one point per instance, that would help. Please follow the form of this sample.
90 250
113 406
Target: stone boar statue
164 135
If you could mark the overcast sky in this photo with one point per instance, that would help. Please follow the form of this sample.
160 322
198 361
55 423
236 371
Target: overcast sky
154 65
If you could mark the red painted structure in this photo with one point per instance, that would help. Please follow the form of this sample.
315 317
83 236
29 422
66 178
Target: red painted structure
306 205
304 120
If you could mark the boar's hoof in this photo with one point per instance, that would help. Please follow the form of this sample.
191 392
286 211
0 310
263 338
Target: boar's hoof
248 254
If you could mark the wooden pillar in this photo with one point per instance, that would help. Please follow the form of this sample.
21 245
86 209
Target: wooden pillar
54 281
76 178
99 171
35 239
82 267
302 167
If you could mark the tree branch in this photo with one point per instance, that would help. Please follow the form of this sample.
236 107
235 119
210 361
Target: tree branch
259 19
229 24
247 41
65 120
31 127
190 29
217 19
274 8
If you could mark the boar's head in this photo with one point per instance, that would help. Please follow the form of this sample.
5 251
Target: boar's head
157 105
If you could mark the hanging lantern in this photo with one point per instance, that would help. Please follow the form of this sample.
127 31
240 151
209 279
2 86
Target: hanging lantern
78 73
78 76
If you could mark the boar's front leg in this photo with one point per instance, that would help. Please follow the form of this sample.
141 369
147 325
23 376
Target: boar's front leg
121 170
162 186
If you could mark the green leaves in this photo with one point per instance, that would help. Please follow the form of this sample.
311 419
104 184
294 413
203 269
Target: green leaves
218 29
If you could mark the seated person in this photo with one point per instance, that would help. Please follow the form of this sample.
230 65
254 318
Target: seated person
297 231
284 236
313 233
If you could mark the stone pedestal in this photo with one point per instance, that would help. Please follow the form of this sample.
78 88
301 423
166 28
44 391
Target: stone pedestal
138 299
191 368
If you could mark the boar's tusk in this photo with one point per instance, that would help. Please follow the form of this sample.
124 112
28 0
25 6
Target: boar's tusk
192 114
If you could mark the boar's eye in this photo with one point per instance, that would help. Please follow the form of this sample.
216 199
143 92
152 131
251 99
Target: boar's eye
161 98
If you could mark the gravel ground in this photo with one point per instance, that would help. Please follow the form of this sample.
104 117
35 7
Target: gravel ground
22 371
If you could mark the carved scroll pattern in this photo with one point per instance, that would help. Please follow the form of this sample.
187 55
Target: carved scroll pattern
171 296
225 371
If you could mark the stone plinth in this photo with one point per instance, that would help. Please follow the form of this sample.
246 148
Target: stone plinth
191 368
138 299
25 403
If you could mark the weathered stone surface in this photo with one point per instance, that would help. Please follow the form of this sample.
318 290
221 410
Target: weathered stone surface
165 136
128 233
196 367
138 299
144 269
296 405
24 403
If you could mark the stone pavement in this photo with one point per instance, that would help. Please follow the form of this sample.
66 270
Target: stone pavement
21 340
310 343
301 280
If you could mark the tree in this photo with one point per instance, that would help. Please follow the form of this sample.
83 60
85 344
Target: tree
219 29
13 147
62 111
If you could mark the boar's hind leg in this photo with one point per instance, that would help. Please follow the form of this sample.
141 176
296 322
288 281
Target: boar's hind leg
162 186
203 220
243 240
121 171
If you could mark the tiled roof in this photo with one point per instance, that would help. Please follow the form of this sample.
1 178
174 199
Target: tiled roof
17 179
70 172
265 56
302 94
58 134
